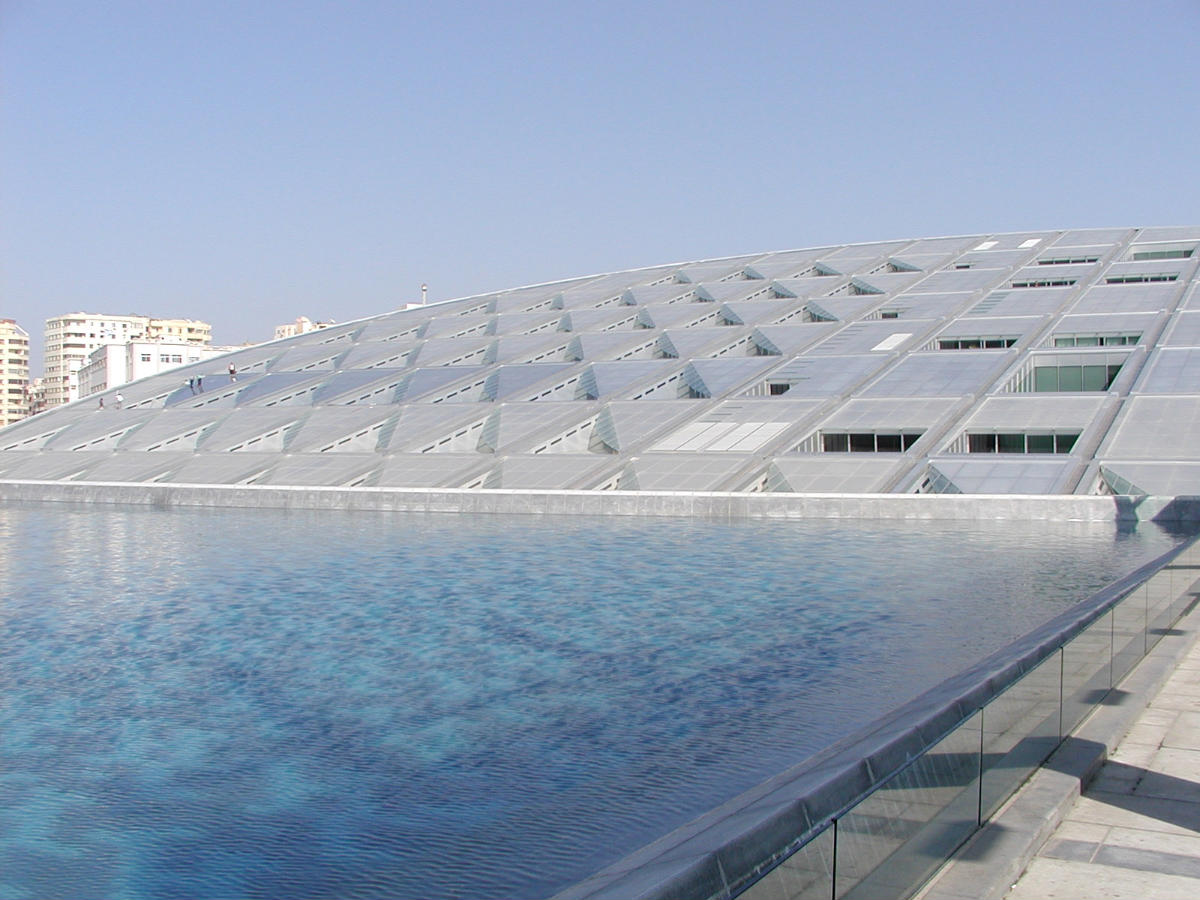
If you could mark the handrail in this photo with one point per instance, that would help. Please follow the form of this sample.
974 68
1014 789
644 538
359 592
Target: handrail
949 752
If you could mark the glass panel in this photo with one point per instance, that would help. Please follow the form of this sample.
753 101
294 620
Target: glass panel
981 443
887 443
805 875
1020 729
1040 443
1064 442
1095 378
836 443
1160 604
1086 671
862 443
1010 443
1045 378
1129 632
1070 378
1185 579
891 841
1087 342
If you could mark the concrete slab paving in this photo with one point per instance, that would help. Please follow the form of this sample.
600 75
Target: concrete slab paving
1057 879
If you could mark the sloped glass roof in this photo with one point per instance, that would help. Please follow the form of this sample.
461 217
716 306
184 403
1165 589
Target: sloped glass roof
703 375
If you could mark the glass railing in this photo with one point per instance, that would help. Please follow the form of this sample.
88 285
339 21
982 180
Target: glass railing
914 791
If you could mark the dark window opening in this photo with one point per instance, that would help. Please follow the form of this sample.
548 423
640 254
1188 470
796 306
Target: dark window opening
1183 253
1051 379
835 443
1141 279
862 443
1067 260
869 442
1015 442
976 343
1044 282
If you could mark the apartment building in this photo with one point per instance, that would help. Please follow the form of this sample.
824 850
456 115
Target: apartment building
71 338
14 372
112 365
302 325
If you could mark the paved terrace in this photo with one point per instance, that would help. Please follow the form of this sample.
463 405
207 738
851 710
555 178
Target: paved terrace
1134 831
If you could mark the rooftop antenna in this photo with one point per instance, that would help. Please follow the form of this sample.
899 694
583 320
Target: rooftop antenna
424 293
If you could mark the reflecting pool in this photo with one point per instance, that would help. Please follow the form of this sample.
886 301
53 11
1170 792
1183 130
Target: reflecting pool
202 703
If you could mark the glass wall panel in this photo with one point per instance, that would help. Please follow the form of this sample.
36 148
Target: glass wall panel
1020 729
891 841
1045 378
1041 443
1095 378
862 443
1129 632
805 875
1010 443
1185 572
1070 378
1087 669
981 443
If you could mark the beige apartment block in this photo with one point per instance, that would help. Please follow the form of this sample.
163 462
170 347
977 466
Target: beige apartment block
14 372
302 325
71 338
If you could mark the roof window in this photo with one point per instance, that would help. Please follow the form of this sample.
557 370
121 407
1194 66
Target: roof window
1067 260
1020 442
1162 253
1096 340
1044 282
868 442
985 342
1141 279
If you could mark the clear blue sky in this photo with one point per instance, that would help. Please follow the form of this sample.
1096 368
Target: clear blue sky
249 162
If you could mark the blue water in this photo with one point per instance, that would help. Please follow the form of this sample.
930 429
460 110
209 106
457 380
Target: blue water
274 704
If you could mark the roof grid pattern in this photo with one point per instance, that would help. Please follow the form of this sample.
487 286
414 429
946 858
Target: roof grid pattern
704 375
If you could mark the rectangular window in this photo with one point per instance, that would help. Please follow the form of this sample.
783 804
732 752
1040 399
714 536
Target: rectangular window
1017 442
862 443
1141 279
1051 379
1067 260
981 443
1177 253
1010 443
868 442
1040 443
777 388
1096 340
835 443
888 443
1044 282
991 342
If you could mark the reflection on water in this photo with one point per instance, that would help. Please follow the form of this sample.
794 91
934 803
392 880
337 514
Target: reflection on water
266 703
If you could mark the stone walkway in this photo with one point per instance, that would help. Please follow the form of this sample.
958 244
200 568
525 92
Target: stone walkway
1135 832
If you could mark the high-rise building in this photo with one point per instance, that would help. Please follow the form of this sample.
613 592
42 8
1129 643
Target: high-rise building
70 338
14 372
